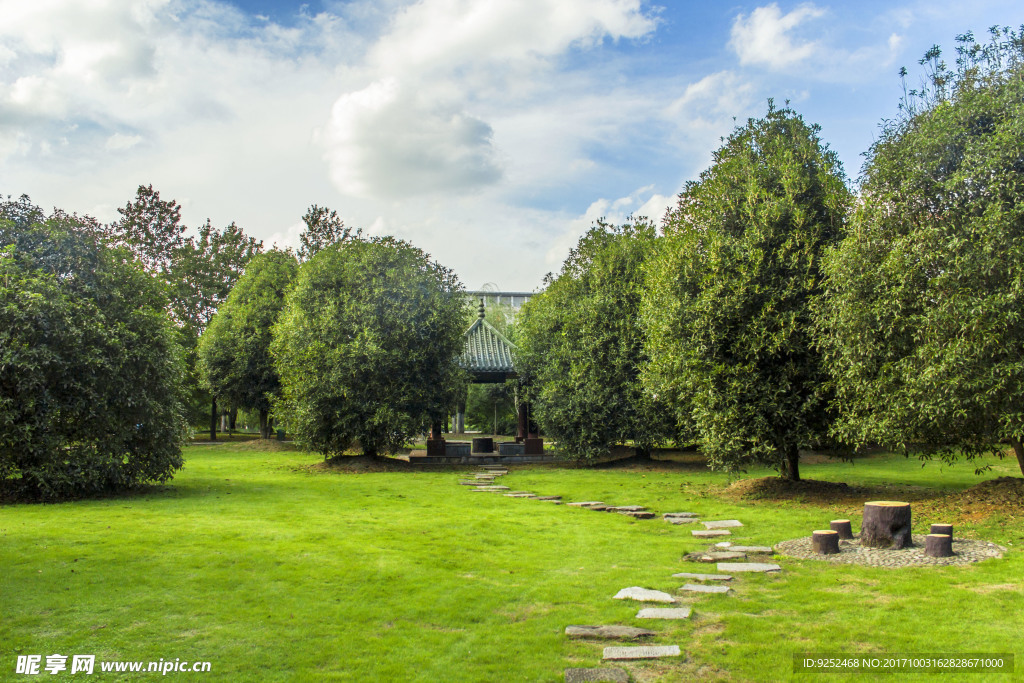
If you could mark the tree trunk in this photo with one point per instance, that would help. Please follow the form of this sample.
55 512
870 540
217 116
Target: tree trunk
232 419
825 542
264 424
886 524
791 465
213 419
938 545
1018 450
841 527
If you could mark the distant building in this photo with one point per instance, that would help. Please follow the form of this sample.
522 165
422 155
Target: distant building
496 298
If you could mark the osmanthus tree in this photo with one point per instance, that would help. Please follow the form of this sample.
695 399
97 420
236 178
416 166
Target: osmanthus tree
580 343
234 350
367 346
91 398
323 228
728 299
923 325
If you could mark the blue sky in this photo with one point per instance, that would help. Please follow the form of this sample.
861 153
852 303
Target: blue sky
489 133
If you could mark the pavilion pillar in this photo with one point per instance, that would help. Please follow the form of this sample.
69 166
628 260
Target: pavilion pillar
435 442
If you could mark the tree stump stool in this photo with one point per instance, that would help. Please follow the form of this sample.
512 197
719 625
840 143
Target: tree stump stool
842 527
886 524
946 529
938 545
825 542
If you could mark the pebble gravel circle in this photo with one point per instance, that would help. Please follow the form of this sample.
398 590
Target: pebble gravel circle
965 551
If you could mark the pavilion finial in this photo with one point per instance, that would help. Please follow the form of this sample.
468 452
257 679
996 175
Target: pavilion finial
481 309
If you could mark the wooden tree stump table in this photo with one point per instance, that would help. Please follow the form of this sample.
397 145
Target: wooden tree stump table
825 542
938 545
886 524
842 526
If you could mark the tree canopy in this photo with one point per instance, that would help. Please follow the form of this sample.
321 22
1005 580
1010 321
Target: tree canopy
923 326
581 345
234 350
90 374
367 347
728 300
323 228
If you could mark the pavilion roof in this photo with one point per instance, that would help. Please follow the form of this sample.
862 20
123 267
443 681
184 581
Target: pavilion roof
487 353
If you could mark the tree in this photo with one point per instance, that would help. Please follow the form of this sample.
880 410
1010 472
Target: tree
234 350
90 374
728 303
581 346
922 328
323 228
367 347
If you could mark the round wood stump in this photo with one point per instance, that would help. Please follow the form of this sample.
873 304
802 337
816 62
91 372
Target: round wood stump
825 542
946 529
842 526
886 524
938 545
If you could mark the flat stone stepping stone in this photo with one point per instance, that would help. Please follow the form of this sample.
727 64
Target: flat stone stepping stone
715 556
701 588
722 524
681 520
520 494
747 567
723 544
585 504
490 489
614 632
642 652
637 514
710 533
604 675
664 613
549 498
702 577
625 508
688 515
752 549
643 595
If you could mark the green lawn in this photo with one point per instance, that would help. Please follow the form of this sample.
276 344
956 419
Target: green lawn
274 572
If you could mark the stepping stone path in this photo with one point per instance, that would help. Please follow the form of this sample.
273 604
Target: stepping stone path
585 504
715 556
701 588
550 499
608 632
702 577
683 515
520 494
722 524
490 489
642 652
626 508
681 520
752 549
664 613
637 514
604 675
747 567
643 595
711 533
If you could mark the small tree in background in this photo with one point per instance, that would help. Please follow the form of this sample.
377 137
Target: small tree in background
323 228
90 373
581 346
728 303
367 348
923 326
234 350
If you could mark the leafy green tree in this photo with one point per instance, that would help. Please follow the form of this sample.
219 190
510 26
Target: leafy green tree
90 374
367 347
728 304
323 228
923 326
491 408
234 350
581 346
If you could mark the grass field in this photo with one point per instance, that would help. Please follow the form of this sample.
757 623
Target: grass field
274 570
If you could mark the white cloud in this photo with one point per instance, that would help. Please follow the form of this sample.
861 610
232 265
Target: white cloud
764 37
120 141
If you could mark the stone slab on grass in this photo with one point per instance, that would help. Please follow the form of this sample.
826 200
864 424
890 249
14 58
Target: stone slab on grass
490 489
643 595
637 514
664 613
748 567
558 498
710 533
701 588
625 508
642 652
722 524
715 556
603 675
687 515
585 504
612 632
702 577
753 549
520 494
681 520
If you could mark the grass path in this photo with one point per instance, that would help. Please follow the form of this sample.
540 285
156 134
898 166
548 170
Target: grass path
274 573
